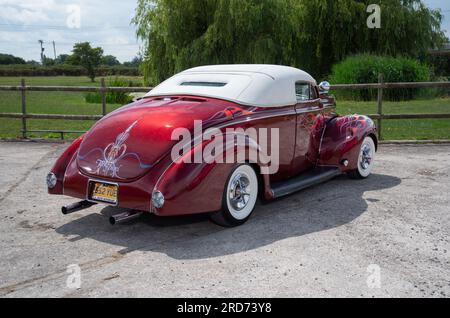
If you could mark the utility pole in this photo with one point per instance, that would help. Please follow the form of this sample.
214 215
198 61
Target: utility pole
54 49
42 51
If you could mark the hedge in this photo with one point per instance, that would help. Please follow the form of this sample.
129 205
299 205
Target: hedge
65 70
366 68
114 97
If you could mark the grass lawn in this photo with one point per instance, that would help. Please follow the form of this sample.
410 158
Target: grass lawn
406 129
74 103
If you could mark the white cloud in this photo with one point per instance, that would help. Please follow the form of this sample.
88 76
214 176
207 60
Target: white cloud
15 15
24 13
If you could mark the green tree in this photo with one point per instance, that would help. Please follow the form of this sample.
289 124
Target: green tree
86 56
8 59
110 60
49 61
309 34
61 59
135 62
33 62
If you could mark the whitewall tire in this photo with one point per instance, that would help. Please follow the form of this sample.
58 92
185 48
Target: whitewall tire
366 159
239 198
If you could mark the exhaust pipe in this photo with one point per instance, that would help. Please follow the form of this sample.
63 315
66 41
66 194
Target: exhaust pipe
72 208
124 217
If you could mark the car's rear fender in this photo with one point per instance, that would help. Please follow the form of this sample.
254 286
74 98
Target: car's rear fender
191 188
60 167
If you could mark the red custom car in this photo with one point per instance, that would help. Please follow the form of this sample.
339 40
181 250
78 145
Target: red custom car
130 158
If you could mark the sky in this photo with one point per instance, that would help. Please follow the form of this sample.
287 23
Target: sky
104 23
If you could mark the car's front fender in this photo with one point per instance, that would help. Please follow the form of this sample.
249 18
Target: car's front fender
342 140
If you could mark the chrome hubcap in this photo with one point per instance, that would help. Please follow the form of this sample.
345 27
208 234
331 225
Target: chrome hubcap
239 193
366 157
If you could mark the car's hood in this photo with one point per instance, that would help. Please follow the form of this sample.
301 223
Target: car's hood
129 142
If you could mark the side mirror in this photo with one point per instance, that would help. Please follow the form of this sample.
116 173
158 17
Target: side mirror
324 87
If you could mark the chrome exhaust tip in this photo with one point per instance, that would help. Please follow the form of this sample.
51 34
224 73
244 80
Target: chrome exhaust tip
75 207
124 217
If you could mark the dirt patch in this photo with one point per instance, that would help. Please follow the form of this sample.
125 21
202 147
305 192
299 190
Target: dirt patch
113 276
36 226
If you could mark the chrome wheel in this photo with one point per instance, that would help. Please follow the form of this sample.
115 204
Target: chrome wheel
366 157
241 193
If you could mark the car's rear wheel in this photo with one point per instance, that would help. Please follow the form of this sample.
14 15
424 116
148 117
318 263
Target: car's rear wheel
366 160
239 198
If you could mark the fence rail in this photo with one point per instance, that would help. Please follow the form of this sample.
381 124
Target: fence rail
103 90
86 89
391 85
50 116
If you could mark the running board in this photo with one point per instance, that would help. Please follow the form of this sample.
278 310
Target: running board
304 180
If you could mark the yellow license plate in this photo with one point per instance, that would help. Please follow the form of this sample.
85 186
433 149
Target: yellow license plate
104 192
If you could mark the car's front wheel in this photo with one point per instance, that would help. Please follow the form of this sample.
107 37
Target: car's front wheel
366 160
239 198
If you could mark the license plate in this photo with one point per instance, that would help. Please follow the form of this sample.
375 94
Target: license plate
104 192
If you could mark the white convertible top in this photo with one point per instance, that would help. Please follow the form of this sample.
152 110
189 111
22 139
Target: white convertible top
252 85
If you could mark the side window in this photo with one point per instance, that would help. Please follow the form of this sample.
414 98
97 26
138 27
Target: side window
302 90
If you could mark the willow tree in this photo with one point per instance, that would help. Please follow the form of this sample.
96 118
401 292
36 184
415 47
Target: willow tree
310 34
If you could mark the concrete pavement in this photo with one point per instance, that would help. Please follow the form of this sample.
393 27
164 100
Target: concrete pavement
387 236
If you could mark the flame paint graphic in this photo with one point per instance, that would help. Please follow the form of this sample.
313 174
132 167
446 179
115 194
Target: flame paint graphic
109 164
113 153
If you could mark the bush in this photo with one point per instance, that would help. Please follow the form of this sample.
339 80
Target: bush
38 70
361 69
118 70
440 64
113 97
65 70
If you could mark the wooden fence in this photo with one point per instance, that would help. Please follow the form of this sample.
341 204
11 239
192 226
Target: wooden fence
24 115
103 90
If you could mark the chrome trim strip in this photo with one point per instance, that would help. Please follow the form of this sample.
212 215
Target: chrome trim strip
64 181
321 141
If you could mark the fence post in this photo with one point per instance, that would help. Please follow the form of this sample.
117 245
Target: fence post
103 97
24 109
380 104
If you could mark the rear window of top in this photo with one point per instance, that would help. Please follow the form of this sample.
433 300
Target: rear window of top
205 84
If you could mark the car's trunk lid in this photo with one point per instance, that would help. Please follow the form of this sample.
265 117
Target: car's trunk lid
129 142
